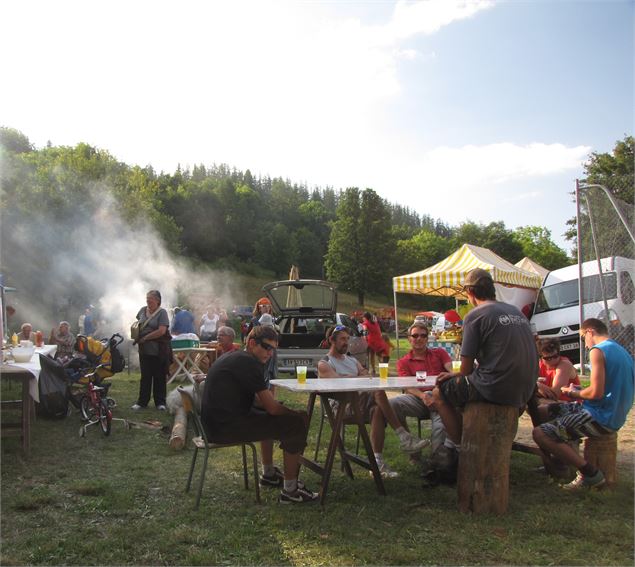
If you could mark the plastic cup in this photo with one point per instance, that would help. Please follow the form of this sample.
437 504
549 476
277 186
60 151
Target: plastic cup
456 366
300 372
383 371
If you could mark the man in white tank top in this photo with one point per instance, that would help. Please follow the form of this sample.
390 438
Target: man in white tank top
374 405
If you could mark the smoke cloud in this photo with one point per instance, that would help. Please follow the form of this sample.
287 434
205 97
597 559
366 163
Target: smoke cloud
93 256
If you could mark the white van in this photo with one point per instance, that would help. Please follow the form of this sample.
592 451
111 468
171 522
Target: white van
557 313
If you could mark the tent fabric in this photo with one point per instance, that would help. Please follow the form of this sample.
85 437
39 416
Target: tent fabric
529 265
446 277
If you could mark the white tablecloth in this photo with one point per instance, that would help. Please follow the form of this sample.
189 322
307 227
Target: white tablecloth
33 366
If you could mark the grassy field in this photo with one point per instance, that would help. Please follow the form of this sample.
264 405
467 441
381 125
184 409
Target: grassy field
120 500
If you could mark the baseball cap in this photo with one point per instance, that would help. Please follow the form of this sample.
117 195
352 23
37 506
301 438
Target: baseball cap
475 276
263 301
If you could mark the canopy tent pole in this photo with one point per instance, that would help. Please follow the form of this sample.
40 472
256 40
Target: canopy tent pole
394 294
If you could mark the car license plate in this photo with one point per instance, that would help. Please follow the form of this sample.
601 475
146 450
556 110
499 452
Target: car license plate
297 362
570 346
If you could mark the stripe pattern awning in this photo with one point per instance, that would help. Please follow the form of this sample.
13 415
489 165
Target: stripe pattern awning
446 277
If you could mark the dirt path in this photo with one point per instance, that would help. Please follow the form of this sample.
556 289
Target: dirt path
625 439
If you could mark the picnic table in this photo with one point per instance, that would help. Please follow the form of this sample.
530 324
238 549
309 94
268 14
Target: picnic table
345 390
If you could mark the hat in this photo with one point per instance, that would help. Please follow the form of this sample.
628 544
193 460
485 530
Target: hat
266 320
263 301
475 276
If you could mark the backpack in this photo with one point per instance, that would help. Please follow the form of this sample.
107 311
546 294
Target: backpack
441 467
117 361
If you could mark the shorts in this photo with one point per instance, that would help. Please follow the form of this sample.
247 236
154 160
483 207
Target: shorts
458 392
408 405
570 421
366 404
258 425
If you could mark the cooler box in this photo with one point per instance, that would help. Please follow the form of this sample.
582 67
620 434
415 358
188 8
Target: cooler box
185 343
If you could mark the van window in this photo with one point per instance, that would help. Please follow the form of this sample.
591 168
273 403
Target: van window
565 294
627 288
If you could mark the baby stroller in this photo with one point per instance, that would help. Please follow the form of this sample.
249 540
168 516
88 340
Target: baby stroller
95 361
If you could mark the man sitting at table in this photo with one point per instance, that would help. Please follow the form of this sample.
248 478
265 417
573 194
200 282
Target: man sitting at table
226 344
233 383
374 405
26 333
416 402
604 408
498 335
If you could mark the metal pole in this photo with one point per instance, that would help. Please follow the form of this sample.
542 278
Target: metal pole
598 259
580 308
394 294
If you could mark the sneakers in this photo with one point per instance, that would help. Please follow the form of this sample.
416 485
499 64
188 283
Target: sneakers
136 407
299 496
411 444
385 471
161 407
581 482
274 481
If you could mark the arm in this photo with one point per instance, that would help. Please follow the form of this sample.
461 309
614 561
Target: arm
325 370
561 377
154 334
270 405
595 390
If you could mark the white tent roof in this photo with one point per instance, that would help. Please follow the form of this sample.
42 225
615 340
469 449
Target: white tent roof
446 277
529 265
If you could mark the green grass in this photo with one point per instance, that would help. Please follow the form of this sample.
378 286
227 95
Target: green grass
119 500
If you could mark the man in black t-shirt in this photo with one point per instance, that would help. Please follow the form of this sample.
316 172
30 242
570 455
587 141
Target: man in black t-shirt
499 337
233 383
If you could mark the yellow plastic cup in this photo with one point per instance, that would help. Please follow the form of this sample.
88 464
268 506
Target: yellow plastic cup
301 374
383 371
456 366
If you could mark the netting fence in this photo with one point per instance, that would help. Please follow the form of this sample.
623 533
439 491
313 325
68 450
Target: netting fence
606 252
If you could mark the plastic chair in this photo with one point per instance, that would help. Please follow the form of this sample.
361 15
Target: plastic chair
200 441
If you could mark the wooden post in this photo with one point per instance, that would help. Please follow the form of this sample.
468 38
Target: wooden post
483 478
601 452
179 430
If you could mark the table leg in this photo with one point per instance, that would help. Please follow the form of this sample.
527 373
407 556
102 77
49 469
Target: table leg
26 417
180 369
361 426
334 443
343 401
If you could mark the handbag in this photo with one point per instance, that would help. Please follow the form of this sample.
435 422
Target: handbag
138 326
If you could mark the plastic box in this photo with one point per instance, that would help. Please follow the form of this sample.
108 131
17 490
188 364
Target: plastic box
185 343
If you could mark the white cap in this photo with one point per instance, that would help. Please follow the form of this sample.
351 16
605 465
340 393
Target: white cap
266 320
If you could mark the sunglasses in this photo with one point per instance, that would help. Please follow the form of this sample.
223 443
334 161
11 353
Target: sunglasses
265 345
417 336
550 357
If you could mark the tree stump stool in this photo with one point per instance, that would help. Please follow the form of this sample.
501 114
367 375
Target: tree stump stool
601 452
486 442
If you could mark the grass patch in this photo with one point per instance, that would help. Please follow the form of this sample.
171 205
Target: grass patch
120 500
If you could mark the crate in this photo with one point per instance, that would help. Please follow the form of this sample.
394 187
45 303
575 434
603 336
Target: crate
185 343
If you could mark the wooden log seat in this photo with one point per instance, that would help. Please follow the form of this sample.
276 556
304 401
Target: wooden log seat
601 452
483 476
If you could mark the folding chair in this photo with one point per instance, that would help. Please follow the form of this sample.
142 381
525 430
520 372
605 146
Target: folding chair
200 441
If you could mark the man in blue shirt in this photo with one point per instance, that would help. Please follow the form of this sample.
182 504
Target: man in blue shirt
604 408
182 322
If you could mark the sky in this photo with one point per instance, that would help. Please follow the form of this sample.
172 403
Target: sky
466 110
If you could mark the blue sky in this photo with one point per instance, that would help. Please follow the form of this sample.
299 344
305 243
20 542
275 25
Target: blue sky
461 110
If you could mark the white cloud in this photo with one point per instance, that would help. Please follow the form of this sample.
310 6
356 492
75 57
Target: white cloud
472 165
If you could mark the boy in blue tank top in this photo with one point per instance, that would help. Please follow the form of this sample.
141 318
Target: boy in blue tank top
604 408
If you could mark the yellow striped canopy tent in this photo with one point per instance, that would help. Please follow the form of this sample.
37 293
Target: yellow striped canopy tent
446 277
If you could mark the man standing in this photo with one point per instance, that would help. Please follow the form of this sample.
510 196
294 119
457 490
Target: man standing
374 405
233 383
499 337
604 408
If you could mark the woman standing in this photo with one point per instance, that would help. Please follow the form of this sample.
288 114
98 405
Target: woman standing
376 344
263 305
154 351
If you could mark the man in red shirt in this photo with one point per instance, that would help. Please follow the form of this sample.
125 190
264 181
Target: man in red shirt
226 342
417 403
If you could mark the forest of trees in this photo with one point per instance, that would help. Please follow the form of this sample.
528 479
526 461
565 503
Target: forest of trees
224 217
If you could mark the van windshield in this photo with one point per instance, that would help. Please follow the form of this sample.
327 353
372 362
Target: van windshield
565 294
